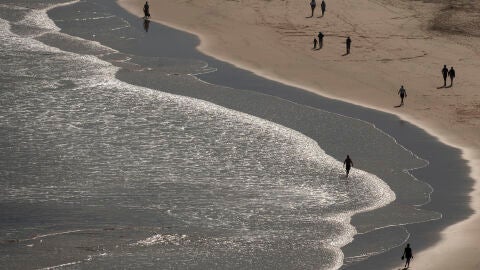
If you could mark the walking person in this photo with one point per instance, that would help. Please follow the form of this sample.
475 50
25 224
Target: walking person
314 43
323 6
146 10
407 254
320 40
403 94
444 74
349 43
451 74
348 163
313 4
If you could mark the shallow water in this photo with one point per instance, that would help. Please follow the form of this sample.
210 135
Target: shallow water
99 173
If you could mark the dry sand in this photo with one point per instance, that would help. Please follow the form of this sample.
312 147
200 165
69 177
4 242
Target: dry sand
394 43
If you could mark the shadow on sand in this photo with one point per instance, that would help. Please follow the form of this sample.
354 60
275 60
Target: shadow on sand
445 86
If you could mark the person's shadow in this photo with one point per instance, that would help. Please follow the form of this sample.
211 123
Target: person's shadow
345 54
398 106
445 86
146 24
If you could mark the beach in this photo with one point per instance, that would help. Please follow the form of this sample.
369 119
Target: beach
394 43
125 146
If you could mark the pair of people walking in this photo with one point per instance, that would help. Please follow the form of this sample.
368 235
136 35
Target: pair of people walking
320 41
450 73
313 5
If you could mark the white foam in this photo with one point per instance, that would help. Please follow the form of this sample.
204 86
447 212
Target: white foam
60 265
39 18
51 234
158 239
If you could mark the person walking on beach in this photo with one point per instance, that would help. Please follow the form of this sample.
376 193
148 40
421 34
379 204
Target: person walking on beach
407 254
313 4
146 10
348 163
323 6
451 74
349 43
314 43
444 74
320 40
403 94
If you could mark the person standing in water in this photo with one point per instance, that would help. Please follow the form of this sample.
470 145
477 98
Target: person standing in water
313 4
323 6
403 94
444 74
407 254
146 10
451 74
348 163
349 43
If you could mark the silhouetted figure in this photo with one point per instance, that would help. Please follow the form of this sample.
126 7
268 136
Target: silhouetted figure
444 74
451 74
313 4
146 24
407 254
403 94
323 6
349 43
320 40
348 163
146 10
314 43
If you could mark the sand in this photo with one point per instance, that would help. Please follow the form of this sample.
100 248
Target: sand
394 43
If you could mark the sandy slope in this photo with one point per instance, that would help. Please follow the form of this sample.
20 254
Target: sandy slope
391 46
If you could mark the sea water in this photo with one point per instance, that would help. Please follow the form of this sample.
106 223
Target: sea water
99 173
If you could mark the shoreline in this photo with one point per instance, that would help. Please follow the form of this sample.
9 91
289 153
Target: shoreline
450 236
